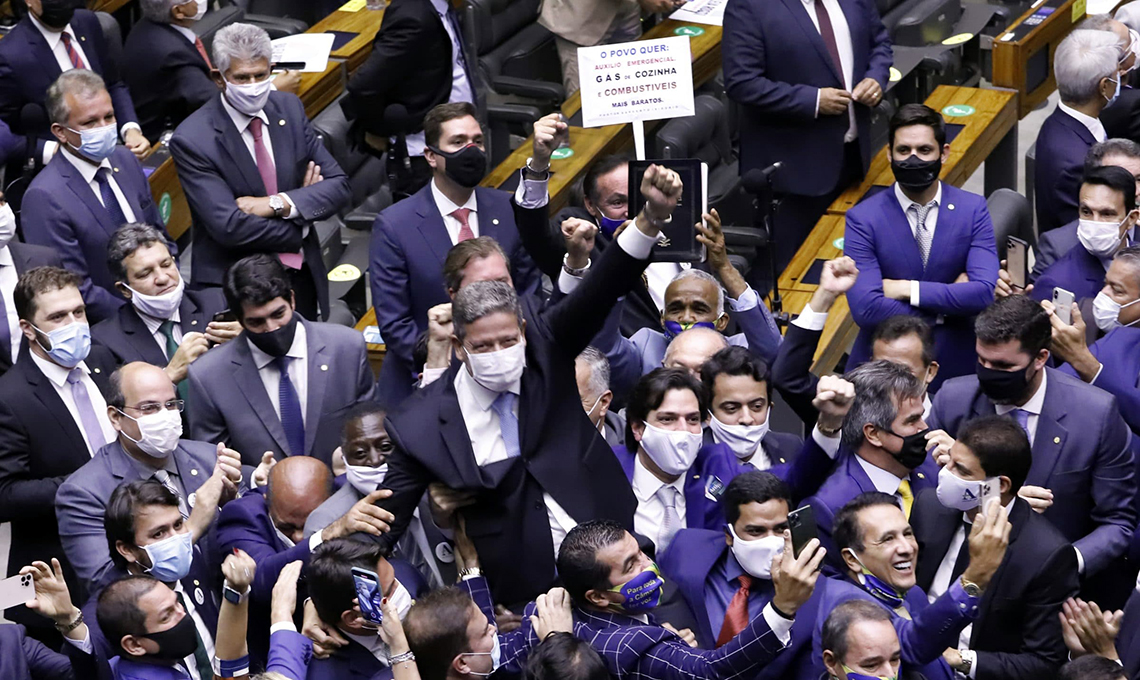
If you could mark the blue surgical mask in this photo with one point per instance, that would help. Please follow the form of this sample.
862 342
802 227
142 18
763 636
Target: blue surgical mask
171 557
673 328
1114 94
609 225
69 344
642 592
97 144
496 655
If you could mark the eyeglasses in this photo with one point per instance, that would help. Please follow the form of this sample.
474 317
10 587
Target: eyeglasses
153 408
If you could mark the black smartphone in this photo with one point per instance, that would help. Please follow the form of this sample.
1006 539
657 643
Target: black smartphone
288 66
224 316
801 524
1017 261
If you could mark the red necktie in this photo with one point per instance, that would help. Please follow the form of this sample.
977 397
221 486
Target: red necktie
268 172
72 54
736 618
465 232
202 51
828 34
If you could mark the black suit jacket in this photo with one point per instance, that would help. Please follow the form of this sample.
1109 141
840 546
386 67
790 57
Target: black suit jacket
1017 634
561 450
791 372
26 256
167 77
1122 118
129 339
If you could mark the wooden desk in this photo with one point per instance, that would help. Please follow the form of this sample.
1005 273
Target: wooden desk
109 6
1023 54
318 90
365 23
376 352
164 187
986 130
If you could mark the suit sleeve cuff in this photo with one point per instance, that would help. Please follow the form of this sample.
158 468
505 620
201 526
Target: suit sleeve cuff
780 626
127 127
810 320
962 599
818 95
747 301
1099 369
315 540
636 244
830 445
914 289
284 625
1080 561
568 282
531 193
293 212
430 375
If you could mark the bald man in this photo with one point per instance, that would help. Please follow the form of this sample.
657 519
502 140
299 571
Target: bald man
691 349
146 414
268 525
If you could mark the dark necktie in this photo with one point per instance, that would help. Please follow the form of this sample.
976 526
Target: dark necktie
5 331
167 330
736 617
291 419
963 559
110 202
828 34
72 53
201 659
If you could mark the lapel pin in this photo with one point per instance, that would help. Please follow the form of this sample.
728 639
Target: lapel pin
281 122
324 367
782 460
1056 440
115 169
97 370
951 206
921 476
82 38
495 221
194 471
197 583
194 322
199 597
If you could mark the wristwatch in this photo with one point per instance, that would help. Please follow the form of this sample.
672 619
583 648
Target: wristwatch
967 662
469 572
278 205
570 270
535 175
972 589
233 596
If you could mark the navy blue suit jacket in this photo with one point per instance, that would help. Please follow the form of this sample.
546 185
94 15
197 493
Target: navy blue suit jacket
25 658
129 339
775 63
61 211
28 68
409 246
701 511
216 168
1128 639
879 239
1119 353
1077 271
1062 144
1052 246
802 468
1080 451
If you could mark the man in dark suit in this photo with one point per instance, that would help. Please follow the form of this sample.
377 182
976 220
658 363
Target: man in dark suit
144 410
283 385
923 248
592 372
1086 65
15 259
1016 634
255 174
164 324
165 65
495 432
1082 476
416 36
807 75
52 39
411 239
53 417
883 441
88 190
1117 116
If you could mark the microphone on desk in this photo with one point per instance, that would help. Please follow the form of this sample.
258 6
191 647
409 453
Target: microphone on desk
396 120
758 180
759 183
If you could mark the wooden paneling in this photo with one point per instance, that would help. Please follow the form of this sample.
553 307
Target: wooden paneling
376 352
1032 32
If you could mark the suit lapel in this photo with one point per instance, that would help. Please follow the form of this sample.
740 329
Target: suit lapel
318 381
281 136
1049 440
231 142
945 231
797 9
41 53
898 229
85 194
87 43
249 382
454 432
1018 515
44 391
134 328
431 226
943 525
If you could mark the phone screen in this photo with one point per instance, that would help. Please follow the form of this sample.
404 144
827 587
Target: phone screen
368 595
1017 263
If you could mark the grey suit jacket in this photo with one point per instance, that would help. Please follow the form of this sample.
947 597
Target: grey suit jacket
232 406
332 509
81 501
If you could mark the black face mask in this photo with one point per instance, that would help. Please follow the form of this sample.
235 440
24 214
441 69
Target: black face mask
175 643
1003 387
913 451
56 13
466 167
916 174
276 343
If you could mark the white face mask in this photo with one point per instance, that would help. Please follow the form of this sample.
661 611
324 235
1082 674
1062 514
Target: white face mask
742 439
7 224
756 556
365 479
498 370
961 494
1100 238
401 599
672 451
200 12
1106 311
249 99
158 306
158 433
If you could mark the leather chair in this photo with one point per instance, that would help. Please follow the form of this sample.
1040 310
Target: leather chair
367 175
215 20
277 25
113 36
1012 215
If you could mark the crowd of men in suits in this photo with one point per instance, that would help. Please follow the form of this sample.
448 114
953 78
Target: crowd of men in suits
577 462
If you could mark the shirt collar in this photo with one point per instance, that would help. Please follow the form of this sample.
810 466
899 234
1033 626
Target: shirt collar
440 7
446 207
646 484
240 120
6 257
906 202
372 643
85 168
153 323
146 471
483 396
1093 125
1035 403
52 37
54 372
884 481
186 32
296 350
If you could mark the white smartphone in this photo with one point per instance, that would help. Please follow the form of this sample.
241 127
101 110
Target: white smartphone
990 492
1063 305
16 591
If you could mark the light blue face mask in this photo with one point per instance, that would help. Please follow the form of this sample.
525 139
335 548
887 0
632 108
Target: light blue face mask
171 557
97 144
1115 94
69 344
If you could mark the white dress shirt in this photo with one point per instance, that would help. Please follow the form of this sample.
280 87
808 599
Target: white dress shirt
298 371
650 509
912 219
152 325
846 54
191 606
658 276
450 222
8 279
187 33
461 88
372 643
88 171
883 481
1093 125
1033 406
241 122
57 376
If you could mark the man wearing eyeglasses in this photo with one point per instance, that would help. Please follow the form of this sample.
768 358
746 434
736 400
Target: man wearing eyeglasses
146 415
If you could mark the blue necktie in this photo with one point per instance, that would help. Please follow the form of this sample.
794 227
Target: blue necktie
291 419
103 177
1022 418
508 423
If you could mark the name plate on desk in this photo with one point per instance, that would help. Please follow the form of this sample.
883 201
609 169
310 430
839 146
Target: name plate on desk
642 80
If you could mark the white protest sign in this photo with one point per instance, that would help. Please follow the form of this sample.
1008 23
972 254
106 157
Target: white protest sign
636 81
